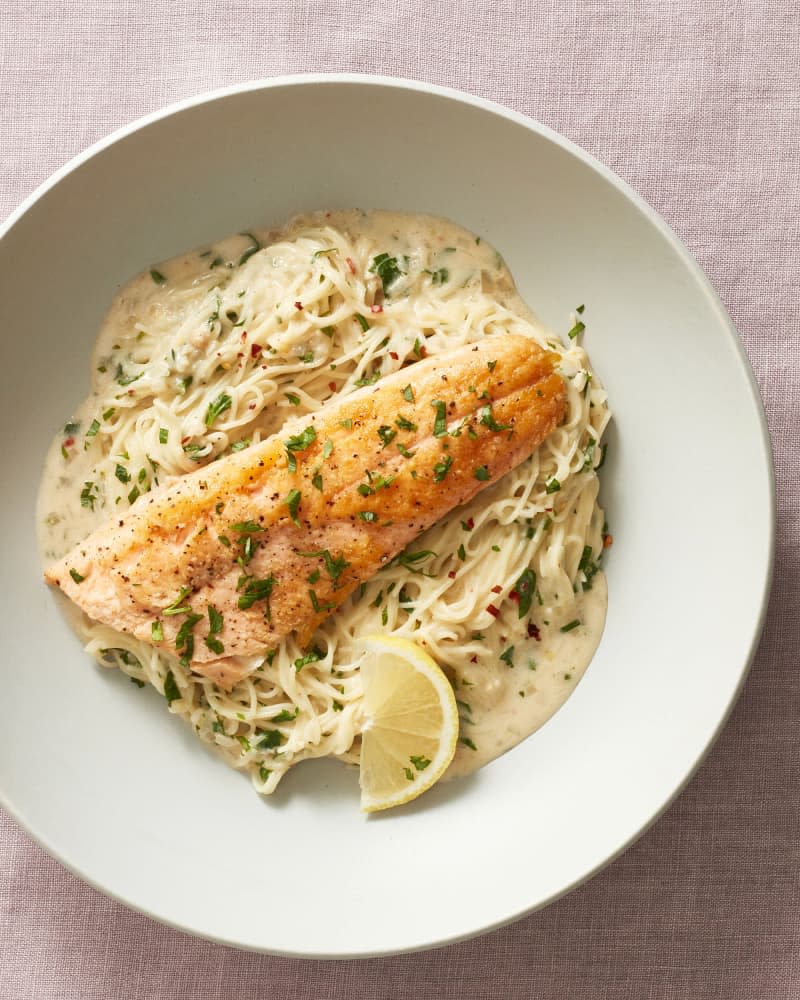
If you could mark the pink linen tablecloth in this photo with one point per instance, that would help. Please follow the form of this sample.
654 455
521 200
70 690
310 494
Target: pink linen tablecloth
697 106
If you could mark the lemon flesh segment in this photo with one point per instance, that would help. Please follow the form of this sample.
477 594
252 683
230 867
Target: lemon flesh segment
411 722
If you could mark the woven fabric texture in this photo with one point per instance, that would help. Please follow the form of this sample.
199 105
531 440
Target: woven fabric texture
697 106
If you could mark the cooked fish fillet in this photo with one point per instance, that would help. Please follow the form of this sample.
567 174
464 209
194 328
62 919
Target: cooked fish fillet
333 497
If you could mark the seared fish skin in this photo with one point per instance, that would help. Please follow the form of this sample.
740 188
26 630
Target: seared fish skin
217 565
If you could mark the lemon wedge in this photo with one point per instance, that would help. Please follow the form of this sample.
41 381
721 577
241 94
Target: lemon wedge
410 727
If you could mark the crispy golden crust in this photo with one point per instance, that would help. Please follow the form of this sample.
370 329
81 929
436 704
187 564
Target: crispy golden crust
372 470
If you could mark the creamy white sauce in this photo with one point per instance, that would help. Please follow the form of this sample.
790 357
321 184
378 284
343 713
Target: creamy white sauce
508 704
501 703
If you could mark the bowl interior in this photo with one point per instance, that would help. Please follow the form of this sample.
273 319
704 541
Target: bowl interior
121 792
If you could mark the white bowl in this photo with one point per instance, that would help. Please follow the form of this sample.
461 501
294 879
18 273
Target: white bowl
119 790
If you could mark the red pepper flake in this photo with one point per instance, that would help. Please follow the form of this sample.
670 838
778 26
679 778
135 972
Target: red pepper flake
470 523
186 440
514 595
350 264
251 406
423 351
332 386
69 442
255 350
533 632
493 611
473 659
376 309
298 305
452 574
549 510
497 589
394 355
608 541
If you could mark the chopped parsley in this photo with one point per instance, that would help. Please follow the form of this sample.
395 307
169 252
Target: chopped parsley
246 527
440 423
525 588
157 631
386 434
482 473
171 690
256 590
487 419
89 495
318 605
334 565
420 763
270 738
122 378
387 269
163 435
256 246
570 625
362 322
178 607
222 403
292 501
215 620
441 469
299 442
439 277
577 329
368 515
285 715
293 398
552 485
508 656
312 657
76 576
588 567
184 640
408 394
369 379
94 427
158 277
122 474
